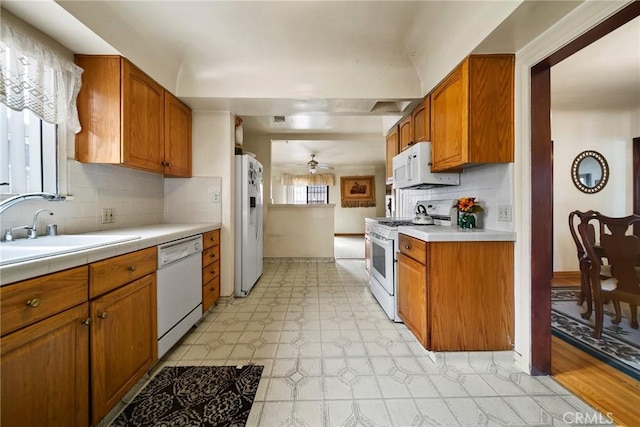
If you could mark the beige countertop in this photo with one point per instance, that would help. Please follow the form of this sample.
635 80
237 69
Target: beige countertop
150 235
455 234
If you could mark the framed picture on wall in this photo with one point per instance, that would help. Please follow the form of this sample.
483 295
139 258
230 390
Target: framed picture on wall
357 191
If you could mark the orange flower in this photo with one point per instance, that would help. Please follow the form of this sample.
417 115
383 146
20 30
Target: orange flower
468 205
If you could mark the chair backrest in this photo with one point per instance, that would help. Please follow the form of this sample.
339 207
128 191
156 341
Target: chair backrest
620 246
575 218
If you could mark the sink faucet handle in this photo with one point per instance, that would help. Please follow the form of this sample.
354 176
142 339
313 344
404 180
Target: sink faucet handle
8 235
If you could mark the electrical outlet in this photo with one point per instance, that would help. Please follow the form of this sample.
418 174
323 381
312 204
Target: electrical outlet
108 215
216 197
504 213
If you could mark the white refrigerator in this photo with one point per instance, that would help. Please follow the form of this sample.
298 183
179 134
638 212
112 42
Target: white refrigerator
248 223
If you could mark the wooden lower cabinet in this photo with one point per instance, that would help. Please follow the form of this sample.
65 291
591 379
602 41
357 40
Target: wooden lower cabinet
412 300
45 372
210 269
123 342
459 295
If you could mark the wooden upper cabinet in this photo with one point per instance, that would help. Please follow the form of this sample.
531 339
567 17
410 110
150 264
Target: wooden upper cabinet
143 119
421 121
177 137
406 133
122 112
392 150
472 114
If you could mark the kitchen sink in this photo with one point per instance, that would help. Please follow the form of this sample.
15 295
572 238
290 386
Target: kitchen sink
44 246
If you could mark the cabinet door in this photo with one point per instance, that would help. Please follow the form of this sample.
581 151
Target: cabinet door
412 297
420 118
177 137
450 121
143 118
45 372
392 150
123 341
406 133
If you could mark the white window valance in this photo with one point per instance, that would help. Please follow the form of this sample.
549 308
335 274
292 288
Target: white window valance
315 179
34 77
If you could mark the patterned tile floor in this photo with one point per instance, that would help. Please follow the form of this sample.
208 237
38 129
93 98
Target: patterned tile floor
332 358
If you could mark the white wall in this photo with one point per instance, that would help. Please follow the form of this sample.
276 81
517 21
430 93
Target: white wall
347 220
609 133
213 156
491 185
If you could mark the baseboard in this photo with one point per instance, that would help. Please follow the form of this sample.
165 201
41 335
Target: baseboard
567 275
348 234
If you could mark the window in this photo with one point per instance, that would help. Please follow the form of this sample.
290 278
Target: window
38 92
28 153
310 194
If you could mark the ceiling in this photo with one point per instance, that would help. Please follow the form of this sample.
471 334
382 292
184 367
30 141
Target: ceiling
341 72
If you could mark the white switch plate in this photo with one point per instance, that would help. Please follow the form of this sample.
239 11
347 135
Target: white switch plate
108 215
504 213
216 197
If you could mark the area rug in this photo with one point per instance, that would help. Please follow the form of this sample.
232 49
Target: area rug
619 345
203 396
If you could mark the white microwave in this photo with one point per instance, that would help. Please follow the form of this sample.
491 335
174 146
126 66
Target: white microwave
412 168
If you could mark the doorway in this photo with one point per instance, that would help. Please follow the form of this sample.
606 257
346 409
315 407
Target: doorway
542 185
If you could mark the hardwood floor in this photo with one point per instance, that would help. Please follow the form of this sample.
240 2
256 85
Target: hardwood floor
601 385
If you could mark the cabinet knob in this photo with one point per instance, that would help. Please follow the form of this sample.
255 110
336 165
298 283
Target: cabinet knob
407 247
167 164
133 268
86 321
33 303
103 315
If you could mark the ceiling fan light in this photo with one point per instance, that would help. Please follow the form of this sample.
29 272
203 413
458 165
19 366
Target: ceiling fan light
312 170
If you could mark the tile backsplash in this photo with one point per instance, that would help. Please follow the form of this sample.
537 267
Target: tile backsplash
191 200
491 185
137 198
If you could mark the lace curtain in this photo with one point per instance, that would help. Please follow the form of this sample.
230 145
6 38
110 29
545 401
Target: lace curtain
322 179
34 77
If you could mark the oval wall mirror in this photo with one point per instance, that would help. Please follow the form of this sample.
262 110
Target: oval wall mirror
590 171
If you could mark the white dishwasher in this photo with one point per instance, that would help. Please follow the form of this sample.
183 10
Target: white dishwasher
179 282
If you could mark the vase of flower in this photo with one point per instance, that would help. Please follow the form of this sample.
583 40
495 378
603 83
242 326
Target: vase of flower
467 208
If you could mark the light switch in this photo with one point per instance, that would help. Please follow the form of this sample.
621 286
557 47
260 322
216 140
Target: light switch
216 197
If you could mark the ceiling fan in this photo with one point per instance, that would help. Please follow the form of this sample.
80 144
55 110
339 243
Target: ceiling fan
313 165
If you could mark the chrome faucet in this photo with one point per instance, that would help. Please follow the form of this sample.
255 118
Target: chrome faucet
32 232
6 204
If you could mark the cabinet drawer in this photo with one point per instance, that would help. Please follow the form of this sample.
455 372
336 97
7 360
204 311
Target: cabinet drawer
414 248
210 293
117 271
210 255
210 271
26 302
211 238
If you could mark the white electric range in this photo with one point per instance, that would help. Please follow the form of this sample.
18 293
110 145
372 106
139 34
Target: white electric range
383 235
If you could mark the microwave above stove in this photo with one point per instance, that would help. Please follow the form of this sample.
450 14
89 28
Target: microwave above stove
412 168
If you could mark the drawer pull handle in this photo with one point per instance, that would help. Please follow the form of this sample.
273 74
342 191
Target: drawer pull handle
132 268
86 321
33 303
103 315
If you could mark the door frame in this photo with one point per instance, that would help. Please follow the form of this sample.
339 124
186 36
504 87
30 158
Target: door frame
542 185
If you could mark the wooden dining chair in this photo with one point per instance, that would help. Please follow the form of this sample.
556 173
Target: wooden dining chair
575 218
622 250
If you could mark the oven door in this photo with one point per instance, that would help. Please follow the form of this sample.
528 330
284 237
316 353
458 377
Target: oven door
382 268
